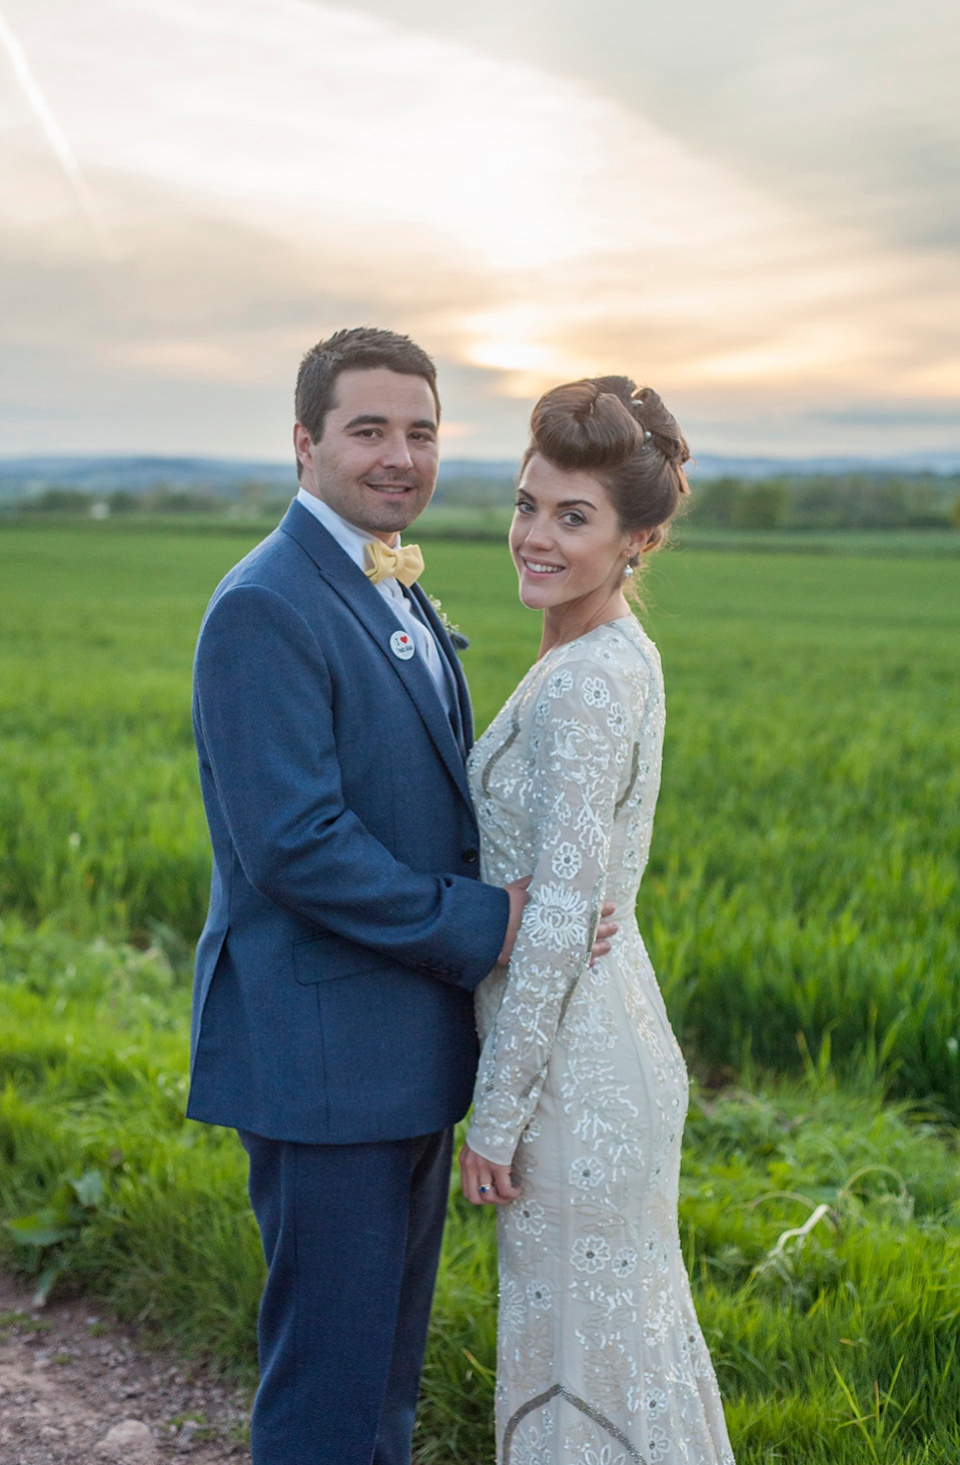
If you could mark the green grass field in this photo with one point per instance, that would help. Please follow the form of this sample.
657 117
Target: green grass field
801 907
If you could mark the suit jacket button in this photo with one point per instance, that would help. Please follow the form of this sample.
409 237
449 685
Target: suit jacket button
470 856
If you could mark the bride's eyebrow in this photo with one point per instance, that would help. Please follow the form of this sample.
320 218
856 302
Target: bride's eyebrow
564 503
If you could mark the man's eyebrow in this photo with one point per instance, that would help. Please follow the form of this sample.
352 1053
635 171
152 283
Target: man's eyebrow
374 419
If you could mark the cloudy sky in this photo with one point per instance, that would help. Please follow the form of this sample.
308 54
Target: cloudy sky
753 207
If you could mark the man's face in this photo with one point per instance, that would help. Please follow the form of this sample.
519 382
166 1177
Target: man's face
376 463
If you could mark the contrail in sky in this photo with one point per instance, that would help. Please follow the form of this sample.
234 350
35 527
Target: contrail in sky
55 137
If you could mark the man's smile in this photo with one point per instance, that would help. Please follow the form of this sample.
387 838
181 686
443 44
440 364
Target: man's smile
390 488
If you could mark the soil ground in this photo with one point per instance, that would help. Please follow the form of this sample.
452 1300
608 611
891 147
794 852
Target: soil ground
77 1387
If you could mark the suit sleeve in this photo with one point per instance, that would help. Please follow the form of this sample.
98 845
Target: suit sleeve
264 709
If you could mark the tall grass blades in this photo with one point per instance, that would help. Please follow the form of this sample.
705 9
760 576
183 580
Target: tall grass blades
800 907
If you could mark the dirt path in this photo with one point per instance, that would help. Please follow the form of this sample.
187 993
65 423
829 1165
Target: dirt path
77 1389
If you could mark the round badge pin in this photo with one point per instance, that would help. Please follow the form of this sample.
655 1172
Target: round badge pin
402 645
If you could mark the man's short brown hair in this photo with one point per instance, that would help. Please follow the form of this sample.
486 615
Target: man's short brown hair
362 348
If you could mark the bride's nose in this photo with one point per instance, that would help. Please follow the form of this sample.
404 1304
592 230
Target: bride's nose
538 535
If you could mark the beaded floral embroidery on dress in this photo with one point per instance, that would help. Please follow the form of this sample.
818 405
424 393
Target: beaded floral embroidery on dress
581 1083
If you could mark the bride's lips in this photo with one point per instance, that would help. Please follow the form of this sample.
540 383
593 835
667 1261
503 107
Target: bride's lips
540 569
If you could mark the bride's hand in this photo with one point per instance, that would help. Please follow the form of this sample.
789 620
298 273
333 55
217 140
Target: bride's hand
484 1183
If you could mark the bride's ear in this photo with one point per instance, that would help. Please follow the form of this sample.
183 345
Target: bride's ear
636 543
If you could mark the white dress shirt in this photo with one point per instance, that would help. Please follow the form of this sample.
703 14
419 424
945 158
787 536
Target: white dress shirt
354 541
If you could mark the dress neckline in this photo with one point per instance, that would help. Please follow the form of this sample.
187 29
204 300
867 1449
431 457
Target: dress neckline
562 645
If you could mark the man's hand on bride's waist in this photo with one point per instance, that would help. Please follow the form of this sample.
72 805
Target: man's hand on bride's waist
517 891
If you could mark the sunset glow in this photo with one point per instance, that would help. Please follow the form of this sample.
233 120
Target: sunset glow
215 184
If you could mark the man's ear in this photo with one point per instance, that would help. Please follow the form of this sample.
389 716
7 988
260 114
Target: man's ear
302 443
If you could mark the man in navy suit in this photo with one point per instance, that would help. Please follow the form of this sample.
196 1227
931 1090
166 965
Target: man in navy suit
333 1020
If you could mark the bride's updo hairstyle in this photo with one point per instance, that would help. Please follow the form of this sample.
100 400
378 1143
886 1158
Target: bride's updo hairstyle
626 438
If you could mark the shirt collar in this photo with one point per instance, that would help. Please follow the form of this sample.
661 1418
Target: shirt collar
352 541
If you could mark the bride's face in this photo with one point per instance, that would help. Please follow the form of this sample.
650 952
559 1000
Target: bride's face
566 539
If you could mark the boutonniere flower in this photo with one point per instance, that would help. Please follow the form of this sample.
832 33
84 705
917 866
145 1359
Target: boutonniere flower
460 641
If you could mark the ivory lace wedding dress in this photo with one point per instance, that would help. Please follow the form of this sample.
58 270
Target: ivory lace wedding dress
582 1084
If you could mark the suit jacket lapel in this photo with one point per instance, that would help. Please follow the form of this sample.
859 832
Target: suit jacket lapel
464 712
350 583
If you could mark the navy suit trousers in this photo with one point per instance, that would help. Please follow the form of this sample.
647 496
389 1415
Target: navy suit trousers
351 1234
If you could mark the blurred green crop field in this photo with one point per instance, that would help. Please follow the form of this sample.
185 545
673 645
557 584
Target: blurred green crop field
801 908
804 872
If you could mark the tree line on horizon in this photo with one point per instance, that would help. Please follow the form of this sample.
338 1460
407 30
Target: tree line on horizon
853 500
828 501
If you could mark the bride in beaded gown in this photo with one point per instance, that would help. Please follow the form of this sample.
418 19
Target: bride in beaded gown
582 1089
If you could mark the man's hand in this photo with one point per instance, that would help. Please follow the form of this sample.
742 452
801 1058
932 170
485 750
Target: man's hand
605 930
483 1183
517 891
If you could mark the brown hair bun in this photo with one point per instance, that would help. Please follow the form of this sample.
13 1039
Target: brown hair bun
585 424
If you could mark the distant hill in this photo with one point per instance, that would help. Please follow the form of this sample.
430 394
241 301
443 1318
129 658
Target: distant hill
713 465
22 477
226 477
462 480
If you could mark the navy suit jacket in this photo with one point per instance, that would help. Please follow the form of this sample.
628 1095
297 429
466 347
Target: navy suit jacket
347 926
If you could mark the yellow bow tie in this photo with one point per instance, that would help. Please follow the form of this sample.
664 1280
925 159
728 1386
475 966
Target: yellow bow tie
405 565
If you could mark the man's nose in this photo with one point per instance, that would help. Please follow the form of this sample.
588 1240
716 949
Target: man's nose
396 451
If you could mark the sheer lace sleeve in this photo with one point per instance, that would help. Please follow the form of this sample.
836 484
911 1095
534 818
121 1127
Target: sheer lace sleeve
585 720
